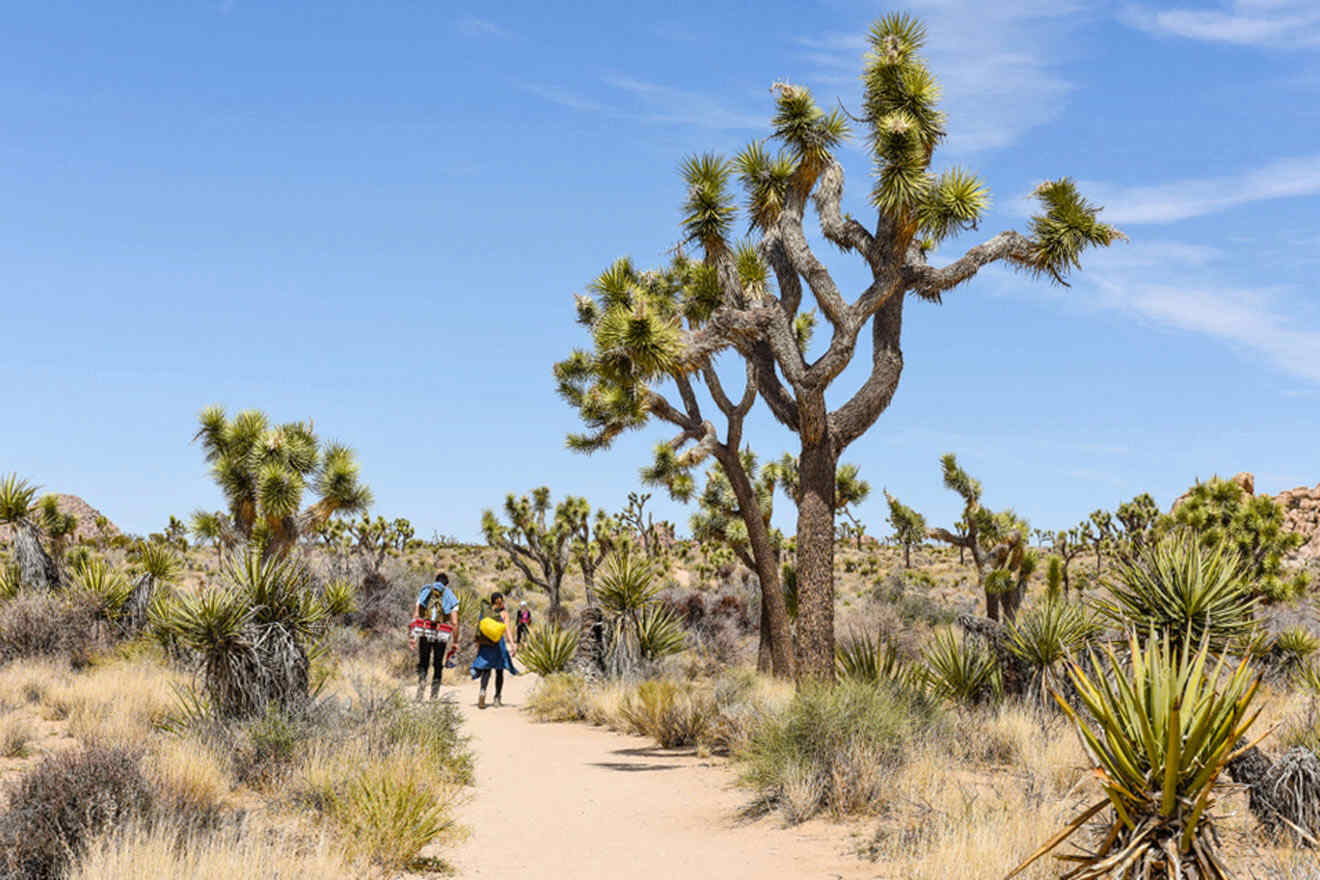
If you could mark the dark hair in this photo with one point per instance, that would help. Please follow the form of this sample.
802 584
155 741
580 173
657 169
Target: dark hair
443 578
495 596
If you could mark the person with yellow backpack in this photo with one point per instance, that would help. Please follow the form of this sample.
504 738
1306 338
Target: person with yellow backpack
493 652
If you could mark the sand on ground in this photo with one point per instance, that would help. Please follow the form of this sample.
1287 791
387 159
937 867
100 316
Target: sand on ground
577 802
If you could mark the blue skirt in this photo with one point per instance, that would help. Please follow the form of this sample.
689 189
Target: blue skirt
492 657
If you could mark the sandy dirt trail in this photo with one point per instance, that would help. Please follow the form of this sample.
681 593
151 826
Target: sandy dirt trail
573 802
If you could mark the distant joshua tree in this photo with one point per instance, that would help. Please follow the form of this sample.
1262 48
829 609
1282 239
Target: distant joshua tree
265 469
909 526
538 542
36 569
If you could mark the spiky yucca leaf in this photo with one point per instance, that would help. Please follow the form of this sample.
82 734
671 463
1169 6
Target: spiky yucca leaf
955 201
863 657
659 633
102 588
709 209
809 133
1069 225
157 560
340 598
1160 729
766 179
1177 587
959 671
1044 634
16 499
548 649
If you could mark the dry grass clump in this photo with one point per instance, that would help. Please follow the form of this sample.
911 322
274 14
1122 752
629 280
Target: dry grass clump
34 624
118 703
673 713
152 852
832 749
16 735
192 781
565 697
388 810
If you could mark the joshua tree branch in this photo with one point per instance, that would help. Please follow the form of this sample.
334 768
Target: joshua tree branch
929 282
804 263
846 233
857 415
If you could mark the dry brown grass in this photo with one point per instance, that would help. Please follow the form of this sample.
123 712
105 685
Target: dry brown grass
16 735
257 850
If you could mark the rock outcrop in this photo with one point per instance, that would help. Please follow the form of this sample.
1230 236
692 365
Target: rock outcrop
1301 514
84 513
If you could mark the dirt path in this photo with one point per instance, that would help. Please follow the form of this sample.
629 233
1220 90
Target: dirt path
571 801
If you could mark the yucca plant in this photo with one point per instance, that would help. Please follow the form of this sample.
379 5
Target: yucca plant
863 657
636 629
659 633
102 588
1159 728
549 649
253 637
156 564
1044 634
1291 648
958 670
1178 588
340 598
36 569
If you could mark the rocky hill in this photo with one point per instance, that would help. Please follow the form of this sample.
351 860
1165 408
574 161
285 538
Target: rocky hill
86 515
1301 513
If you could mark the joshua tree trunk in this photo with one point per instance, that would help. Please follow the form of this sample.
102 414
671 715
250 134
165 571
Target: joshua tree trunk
907 555
815 558
135 609
36 570
774 611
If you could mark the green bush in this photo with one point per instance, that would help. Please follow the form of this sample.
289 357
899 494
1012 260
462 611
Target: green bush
69 798
1046 633
549 649
831 749
561 697
673 714
864 657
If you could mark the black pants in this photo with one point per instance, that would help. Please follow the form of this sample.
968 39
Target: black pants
521 631
431 653
499 681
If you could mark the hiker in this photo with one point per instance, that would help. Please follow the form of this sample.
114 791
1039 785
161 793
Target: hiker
524 622
434 631
492 650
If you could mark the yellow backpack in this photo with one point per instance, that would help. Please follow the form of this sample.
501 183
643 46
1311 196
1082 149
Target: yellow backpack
492 629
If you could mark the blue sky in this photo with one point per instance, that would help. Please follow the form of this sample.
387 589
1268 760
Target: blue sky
376 215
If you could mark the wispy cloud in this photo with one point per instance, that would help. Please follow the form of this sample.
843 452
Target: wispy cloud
1178 285
995 61
562 96
1289 24
666 104
1181 199
471 26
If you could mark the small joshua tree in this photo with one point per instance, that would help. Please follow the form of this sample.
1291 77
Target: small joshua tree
909 526
1067 547
264 471
537 541
996 541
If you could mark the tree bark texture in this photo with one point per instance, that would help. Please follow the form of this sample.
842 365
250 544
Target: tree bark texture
815 561
36 570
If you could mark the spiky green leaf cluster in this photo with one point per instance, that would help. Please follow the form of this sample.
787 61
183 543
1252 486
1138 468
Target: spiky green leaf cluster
709 210
909 526
102 588
765 179
1068 227
864 657
1044 635
957 670
549 649
808 133
1160 726
1181 589
16 499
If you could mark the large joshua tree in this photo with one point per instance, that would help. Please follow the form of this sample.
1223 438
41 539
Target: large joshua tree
915 209
265 469
36 569
537 541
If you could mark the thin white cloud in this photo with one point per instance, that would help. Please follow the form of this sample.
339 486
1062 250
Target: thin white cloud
562 96
1179 200
995 61
1285 24
1178 285
471 26
666 104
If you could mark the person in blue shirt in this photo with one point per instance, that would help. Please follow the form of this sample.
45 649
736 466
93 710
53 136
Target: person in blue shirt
436 602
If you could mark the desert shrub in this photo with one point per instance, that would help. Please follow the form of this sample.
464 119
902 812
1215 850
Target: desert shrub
34 624
265 748
549 649
68 798
430 732
659 635
1178 587
191 782
1291 649
673 713
959 670
388 813
831 749
340 598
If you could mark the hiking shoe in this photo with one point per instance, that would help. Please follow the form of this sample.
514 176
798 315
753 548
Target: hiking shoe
498 702
481 700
